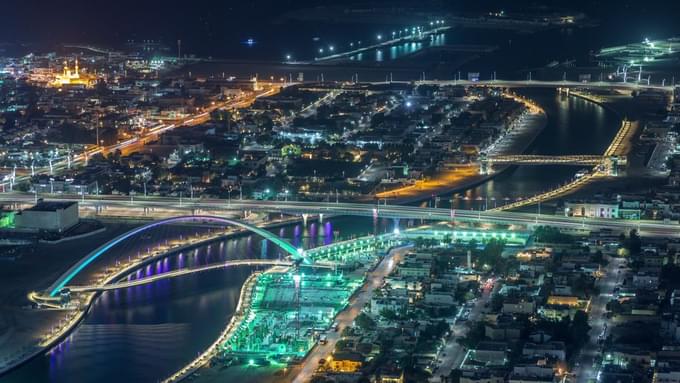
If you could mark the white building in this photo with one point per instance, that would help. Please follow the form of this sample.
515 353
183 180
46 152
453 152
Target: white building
591 209
51 216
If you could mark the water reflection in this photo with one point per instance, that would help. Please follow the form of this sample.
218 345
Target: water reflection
401 49
144 333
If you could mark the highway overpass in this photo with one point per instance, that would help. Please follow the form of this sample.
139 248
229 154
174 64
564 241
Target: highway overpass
550 84
215 206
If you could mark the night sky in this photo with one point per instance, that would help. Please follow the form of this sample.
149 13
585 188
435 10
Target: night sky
111 22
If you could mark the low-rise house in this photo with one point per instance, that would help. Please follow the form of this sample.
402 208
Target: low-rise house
345 362
519 306
490 353
552 349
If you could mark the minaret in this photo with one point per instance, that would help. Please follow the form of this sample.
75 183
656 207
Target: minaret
77 75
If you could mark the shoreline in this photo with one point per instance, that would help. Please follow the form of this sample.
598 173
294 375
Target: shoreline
242 309
601 103
78 319
471 182
389 249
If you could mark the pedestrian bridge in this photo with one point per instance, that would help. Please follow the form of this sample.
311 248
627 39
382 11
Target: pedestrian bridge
608 162
529 159
193 270
66 277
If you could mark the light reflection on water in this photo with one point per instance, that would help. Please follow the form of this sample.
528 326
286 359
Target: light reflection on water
144 333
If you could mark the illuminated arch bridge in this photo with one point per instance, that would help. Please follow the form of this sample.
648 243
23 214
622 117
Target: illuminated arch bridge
296 254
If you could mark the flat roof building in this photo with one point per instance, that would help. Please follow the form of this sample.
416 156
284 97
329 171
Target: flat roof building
48 215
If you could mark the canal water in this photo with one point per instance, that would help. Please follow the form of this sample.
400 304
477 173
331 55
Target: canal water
145 333
574 126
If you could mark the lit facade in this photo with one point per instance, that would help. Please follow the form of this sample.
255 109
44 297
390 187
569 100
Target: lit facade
73 77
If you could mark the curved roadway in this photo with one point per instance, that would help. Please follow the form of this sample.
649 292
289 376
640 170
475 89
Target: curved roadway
649 228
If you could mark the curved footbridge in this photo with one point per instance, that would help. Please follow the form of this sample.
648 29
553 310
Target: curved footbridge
58 295
65 278
187 271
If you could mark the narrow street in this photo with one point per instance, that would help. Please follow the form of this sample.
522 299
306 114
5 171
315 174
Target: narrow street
373 280
452 355
585 369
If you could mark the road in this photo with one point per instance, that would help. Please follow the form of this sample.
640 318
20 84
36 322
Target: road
373 280
215 206
597 319
136 143
452 355
548 84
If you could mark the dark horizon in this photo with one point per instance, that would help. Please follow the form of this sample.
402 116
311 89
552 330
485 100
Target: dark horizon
53 23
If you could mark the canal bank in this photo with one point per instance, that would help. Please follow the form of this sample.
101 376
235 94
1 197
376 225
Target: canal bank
299 371
68 324
71 322
146 333
574 126
517 137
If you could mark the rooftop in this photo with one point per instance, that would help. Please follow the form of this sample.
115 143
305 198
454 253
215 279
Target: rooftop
51 205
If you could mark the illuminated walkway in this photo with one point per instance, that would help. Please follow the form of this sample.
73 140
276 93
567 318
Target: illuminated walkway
180 272
617 148
413 37
65 278
533 159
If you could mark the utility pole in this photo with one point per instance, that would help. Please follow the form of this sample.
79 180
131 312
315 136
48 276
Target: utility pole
640 74
297 279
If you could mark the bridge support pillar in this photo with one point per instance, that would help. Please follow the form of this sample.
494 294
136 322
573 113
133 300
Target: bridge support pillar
612 166
484 167
304 218
320 217
396 229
